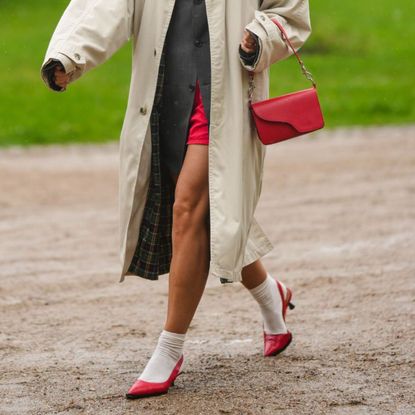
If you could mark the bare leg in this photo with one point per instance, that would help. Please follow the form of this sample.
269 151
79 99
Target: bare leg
190 236
264 290
188 268
253 274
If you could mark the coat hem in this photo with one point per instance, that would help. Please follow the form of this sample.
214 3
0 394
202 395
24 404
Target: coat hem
129 273
236 276
221 273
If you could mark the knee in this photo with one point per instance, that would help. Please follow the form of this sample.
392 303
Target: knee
183 216
188 215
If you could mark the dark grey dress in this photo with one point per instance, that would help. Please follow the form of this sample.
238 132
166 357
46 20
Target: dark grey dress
187 59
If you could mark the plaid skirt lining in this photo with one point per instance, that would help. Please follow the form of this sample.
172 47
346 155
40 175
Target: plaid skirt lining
153 253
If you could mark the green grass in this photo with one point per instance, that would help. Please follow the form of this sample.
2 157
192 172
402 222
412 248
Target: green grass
362 56
360 53
92 108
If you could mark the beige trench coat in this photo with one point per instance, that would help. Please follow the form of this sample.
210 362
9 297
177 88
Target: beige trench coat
90 31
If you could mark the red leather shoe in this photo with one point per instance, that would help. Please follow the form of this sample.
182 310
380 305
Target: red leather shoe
277 343
142 388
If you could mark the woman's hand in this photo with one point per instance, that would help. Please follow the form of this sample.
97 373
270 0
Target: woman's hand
248 43
61 78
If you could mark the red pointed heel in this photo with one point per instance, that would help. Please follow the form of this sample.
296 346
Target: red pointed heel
277 343
142 388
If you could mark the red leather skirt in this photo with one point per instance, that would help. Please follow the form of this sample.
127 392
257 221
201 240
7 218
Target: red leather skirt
198 124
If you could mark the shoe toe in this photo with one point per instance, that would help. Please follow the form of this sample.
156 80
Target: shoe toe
142 388
276 343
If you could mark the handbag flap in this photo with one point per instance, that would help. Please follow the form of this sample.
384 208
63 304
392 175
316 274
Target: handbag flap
300 109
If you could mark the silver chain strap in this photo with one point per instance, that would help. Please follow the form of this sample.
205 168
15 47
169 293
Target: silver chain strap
304 70
251 86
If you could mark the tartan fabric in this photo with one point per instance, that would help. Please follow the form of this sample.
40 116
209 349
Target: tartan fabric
153 252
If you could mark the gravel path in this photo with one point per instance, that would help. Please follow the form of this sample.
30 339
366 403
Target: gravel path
339 206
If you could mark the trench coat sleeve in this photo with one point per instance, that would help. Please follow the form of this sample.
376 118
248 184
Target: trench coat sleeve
48 72
294 16
88 33
249 58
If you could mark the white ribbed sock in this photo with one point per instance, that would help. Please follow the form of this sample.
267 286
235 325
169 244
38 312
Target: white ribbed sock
164 358
269 299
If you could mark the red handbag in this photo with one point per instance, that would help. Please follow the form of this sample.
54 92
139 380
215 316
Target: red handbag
287 116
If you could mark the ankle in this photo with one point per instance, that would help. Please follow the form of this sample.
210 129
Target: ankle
171 344
167 353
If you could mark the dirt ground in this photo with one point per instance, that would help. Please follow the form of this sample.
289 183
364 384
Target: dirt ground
339 207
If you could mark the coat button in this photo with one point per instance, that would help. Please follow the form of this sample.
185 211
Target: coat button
198 43
143 110
155 52
77 56
191 87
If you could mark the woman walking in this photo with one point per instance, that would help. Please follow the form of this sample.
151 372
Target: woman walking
191 164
